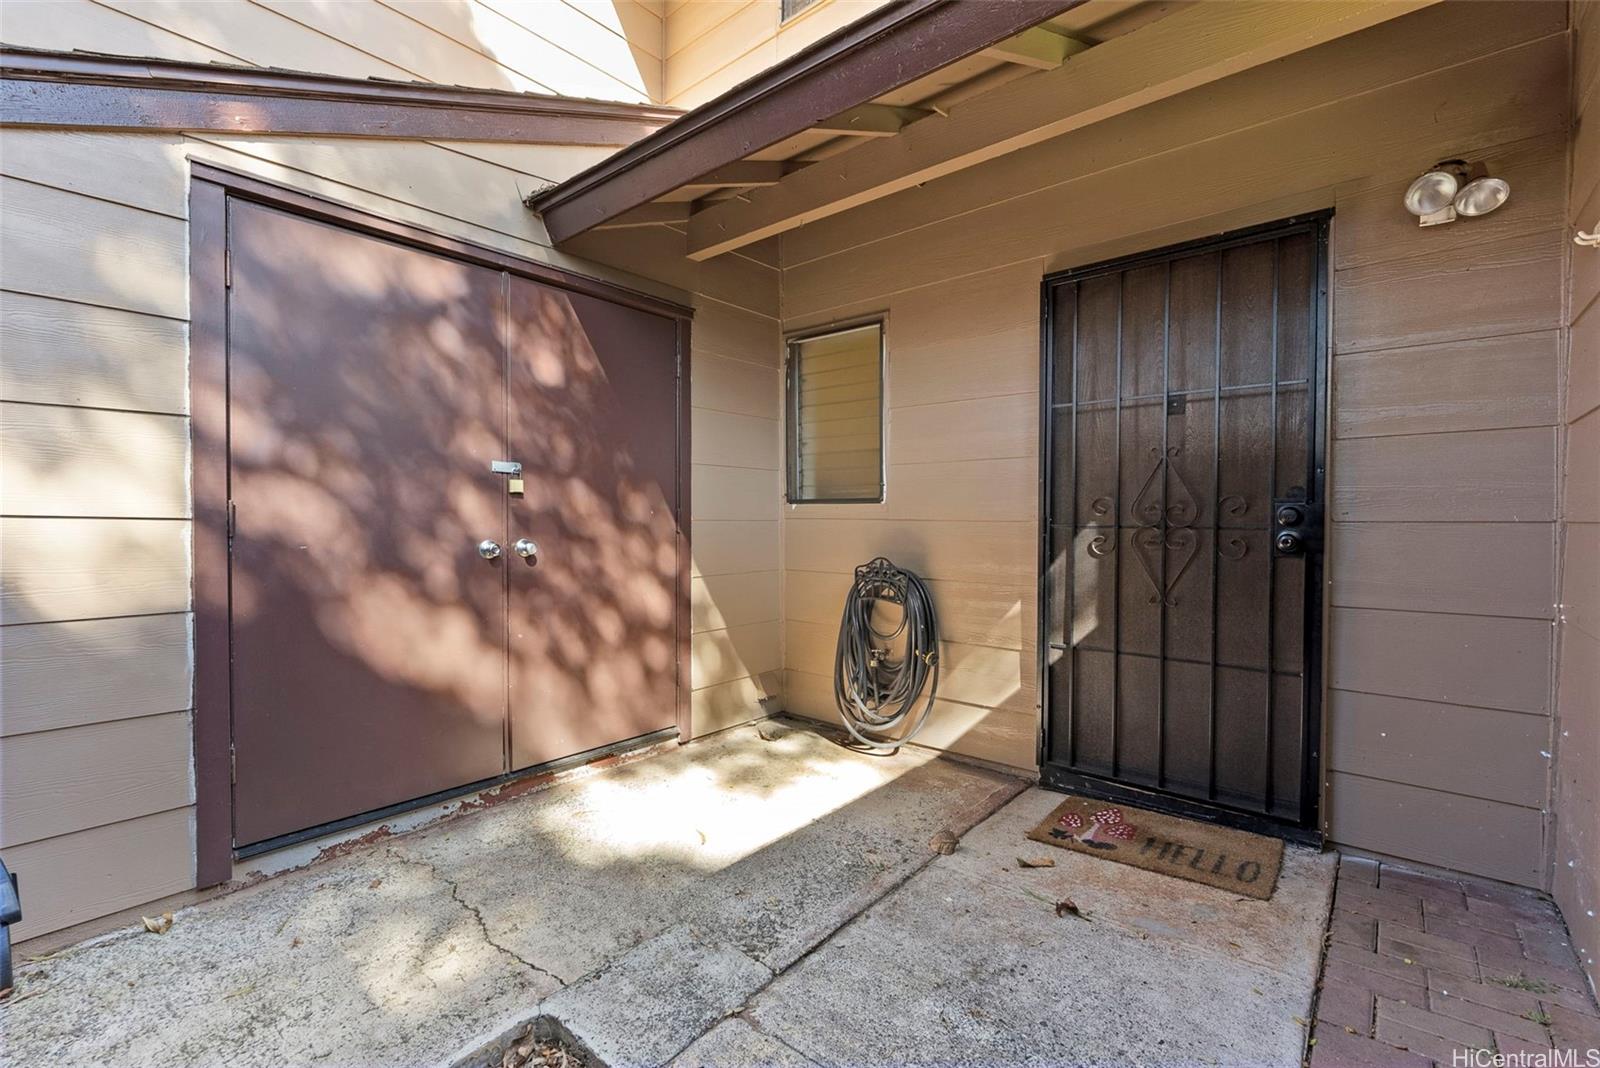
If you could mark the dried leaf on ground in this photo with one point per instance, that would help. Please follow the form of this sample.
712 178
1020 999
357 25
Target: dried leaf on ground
161 926
1067 907
374 884
944 842
1035 862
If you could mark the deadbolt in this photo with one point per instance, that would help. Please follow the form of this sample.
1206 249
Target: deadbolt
488 548
526 549
1289 515
1290 543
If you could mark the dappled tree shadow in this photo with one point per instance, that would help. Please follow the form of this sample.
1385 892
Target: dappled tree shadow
368 398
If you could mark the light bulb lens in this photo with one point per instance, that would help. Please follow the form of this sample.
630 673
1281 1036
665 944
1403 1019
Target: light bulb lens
1432 192
1482 195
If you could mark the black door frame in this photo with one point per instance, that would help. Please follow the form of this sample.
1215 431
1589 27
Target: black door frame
211 187
1309 827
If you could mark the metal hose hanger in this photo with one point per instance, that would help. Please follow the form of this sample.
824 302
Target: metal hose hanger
879 676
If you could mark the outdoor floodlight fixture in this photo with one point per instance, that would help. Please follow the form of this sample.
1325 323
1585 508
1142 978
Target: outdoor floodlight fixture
1453 187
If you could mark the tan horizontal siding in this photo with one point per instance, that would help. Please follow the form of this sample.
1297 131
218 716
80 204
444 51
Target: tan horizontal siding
1495 755
1464 833
93 671
77 877
1513 286
734 653
735 547
58 352
59 244
722 601
59 569
1491 383
1484 476
1483 661
63 461
1494 569
61 781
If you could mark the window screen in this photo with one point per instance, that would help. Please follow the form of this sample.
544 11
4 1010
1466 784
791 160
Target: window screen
791 8
835 385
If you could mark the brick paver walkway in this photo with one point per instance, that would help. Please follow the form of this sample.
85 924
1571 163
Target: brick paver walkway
1420 967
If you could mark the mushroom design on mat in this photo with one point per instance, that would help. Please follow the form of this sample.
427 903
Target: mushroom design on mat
1104 824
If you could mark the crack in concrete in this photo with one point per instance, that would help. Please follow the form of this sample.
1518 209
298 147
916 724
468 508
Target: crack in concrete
475 913
760 1029
996 799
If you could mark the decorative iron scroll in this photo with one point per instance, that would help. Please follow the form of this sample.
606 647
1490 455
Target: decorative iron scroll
1169 526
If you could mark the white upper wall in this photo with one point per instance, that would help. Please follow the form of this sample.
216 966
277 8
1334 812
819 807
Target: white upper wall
605 49
712 45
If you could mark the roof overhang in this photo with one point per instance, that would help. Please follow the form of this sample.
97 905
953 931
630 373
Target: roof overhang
83 90
882 107
890 48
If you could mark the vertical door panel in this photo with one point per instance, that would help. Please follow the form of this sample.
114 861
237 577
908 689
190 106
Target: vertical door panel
1183 392
593 623
366 401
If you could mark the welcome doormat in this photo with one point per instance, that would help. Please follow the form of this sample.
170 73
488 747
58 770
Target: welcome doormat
1244 863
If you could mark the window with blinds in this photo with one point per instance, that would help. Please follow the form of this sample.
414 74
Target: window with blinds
835 424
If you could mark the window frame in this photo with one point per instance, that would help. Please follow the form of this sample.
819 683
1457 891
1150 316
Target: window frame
789 10
791 406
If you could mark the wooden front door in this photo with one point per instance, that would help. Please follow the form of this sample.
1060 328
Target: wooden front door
1184 474
379 654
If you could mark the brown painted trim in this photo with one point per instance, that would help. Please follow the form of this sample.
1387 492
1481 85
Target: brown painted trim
685 612
891 47
208 392
324 209
87 91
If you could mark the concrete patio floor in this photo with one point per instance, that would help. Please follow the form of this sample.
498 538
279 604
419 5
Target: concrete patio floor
762 896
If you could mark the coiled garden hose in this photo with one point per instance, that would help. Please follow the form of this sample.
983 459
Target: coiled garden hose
879 676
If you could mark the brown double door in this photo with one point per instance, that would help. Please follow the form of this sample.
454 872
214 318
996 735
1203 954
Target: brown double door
1184 493
381 651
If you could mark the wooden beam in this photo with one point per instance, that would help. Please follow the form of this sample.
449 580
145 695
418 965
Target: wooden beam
872 120
1037 47
91 92
656 214
890 47
1197 45
743 173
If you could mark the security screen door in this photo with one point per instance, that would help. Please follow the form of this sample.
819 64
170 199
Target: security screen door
1183 542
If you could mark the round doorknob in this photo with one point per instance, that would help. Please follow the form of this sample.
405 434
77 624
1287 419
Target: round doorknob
488 548
1290 542
525 548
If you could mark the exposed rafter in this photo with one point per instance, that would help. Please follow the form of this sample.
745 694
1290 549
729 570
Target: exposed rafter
1197 45
743 173
872 120
1037 47
891 47
657 214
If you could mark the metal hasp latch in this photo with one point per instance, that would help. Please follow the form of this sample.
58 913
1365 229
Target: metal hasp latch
10 913
512 468
1296 526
